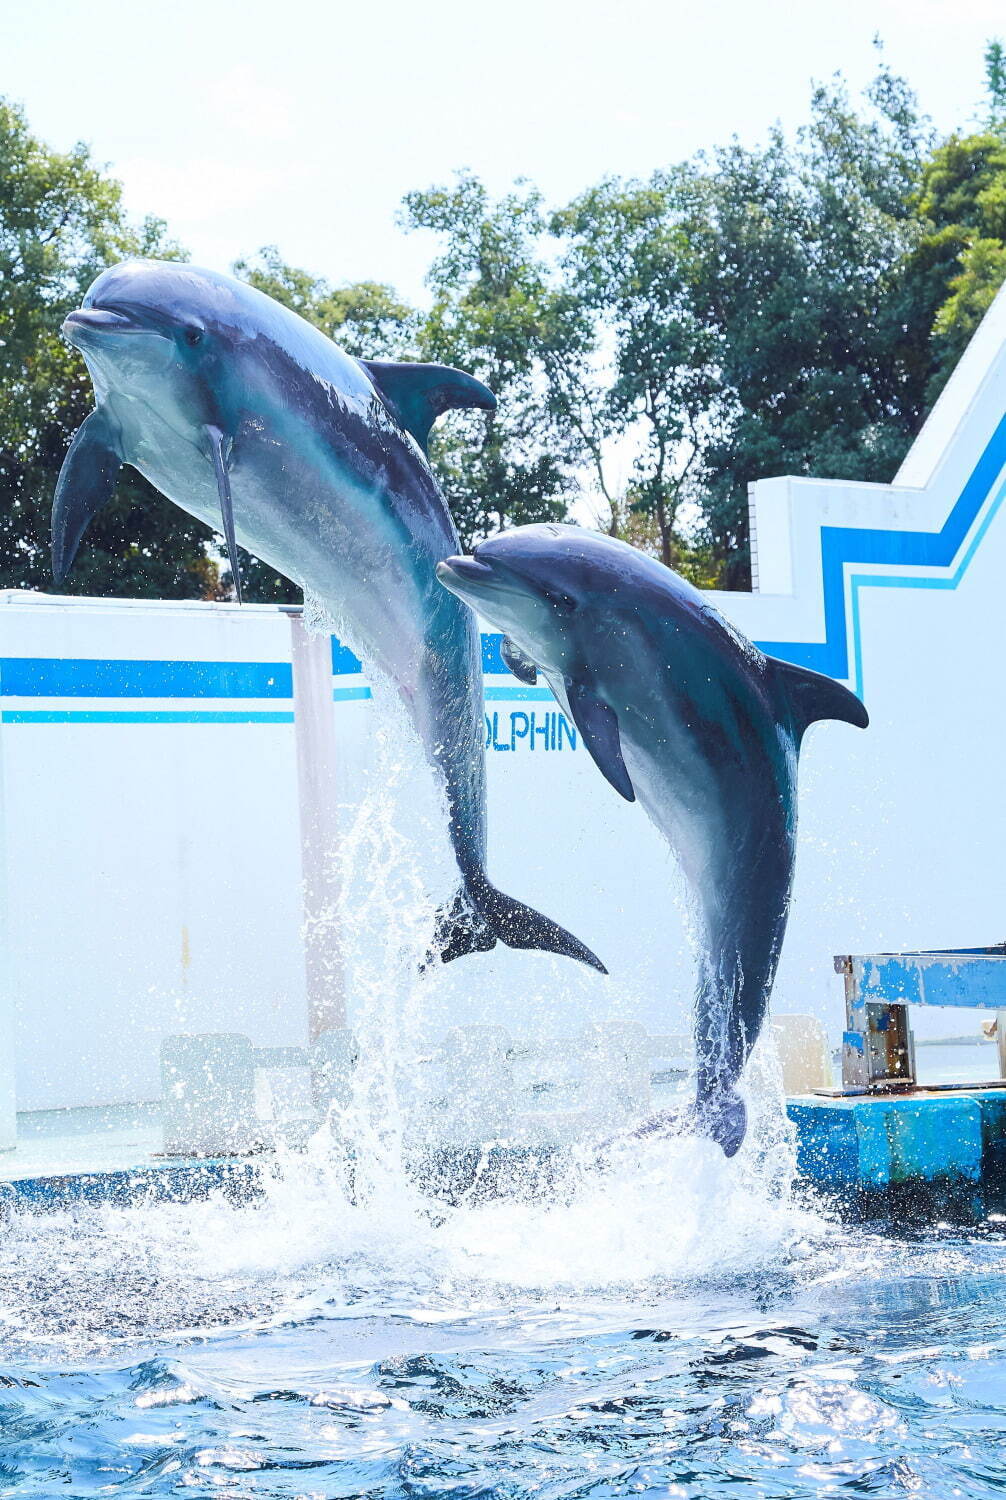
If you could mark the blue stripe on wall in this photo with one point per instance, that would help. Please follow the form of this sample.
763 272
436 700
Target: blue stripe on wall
537 694
344 663
850 544
94 677
860 581
492 660
87 677
141 716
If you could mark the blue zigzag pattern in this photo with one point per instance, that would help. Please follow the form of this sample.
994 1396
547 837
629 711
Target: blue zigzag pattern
841 545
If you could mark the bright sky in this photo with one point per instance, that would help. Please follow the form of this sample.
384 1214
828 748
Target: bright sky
302 124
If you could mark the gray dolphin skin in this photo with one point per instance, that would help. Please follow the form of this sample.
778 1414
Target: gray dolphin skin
679 710
241 412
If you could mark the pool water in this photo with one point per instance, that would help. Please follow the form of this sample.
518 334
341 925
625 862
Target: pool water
671 1325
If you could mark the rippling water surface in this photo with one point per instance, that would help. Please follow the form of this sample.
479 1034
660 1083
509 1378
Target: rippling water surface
672 1324
677 1325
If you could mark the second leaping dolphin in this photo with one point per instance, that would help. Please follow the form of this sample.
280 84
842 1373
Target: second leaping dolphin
678 709
240 411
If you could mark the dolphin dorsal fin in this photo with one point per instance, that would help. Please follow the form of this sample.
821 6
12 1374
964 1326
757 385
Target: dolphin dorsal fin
418 394
812 696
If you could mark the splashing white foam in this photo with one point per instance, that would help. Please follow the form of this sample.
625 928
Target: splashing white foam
662 1214
317 617
343 1224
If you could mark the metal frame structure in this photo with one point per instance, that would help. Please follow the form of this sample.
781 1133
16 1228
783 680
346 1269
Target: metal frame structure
878 1049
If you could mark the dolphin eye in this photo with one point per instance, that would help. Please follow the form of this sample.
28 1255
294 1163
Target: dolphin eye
193 336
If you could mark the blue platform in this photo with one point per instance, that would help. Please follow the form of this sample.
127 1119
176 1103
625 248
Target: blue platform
928 1152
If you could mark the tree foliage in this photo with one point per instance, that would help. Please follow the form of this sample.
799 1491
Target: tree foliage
963 200
995 85
495 314
367 318
655 346
61 223
631 263
802 255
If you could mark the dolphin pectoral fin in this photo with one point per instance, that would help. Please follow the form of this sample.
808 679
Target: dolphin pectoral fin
812 696
86 482
216 440
522 667
598 723
480 916
417 394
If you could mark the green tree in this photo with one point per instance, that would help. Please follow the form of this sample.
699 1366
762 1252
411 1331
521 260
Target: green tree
367 318
496 315
963 201
61 223
803 254
629 262
971 294
995 86
761 315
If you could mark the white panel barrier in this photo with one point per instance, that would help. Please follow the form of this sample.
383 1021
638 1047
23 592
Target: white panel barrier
284 1097
616 1077
150 838
468 1094
804 1054
333 1057
208 1095
223 1096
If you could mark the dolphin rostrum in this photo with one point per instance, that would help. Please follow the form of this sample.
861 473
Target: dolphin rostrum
679 710
240 411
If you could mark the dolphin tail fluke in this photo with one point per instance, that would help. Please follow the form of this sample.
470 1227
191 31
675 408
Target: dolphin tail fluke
480 916
723 1116
461 929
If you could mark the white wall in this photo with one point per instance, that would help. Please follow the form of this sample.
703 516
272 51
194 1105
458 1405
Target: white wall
153 869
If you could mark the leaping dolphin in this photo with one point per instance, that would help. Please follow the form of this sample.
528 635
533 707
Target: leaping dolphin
680 710
240 411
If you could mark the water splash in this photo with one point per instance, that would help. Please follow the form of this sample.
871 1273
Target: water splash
326 1241
317 617
344 1224
651 1318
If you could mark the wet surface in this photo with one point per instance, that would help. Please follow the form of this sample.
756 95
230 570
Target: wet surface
679 1327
